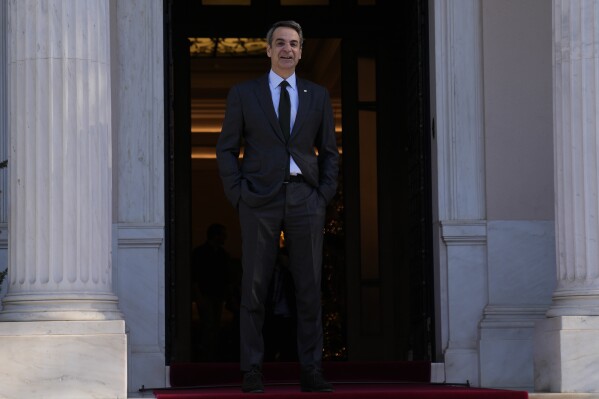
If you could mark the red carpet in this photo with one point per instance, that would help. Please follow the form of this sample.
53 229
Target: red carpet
351 380
348 391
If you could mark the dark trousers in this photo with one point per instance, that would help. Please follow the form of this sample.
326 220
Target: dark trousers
300 212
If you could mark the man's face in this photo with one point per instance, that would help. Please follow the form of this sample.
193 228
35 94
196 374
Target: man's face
285 51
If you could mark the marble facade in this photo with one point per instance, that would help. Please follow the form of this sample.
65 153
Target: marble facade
62 333
566 349
499 321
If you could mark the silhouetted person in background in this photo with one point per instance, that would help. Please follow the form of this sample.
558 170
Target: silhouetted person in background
210 286
230 334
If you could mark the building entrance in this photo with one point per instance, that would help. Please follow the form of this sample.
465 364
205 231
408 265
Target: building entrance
377 276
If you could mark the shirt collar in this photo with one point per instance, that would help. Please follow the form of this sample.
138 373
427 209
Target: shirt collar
275 80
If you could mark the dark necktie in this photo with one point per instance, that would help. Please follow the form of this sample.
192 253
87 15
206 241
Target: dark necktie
285 110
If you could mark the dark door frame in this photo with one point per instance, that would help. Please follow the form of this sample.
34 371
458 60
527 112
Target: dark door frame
403 130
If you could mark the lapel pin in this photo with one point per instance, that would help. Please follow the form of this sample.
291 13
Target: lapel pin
305 91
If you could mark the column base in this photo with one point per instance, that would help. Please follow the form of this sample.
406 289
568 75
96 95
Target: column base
60 307
566 349
63 359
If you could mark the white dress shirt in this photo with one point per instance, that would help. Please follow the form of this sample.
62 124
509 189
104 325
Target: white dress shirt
274 81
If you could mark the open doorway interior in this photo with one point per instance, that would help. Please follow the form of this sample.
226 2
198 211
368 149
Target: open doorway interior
214 328
378 263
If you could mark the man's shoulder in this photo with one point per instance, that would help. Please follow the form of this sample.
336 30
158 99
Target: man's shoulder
307 82
310 85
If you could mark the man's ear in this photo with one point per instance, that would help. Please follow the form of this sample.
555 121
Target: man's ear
268 51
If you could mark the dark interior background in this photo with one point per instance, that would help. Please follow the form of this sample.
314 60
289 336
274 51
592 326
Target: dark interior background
389 316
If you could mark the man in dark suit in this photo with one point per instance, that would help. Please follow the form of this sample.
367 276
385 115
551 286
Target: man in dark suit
286 178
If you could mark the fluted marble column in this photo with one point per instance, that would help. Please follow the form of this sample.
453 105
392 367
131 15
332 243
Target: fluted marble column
60 162
576 116
61 332
567 342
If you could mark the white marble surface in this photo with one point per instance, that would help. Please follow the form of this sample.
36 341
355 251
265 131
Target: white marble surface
61 169
576 62
139 282
458 176
63 360
565 354
3 258
461 366
506 354
542 395
458 149
138 130
139 97
61 215
466 296
521 262
4 193
566 348
521 278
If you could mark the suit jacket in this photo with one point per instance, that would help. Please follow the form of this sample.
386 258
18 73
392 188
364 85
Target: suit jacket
251 121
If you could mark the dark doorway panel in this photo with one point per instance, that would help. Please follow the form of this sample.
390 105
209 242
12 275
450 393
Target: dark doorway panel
377 269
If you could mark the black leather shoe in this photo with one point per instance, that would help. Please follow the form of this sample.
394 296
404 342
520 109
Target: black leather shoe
252 381
312 381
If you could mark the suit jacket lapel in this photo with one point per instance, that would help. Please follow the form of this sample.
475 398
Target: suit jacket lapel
304 98
265 101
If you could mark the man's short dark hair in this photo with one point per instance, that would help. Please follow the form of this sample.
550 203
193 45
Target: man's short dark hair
287 24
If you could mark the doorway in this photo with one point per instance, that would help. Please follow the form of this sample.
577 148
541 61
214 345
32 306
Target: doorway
378 291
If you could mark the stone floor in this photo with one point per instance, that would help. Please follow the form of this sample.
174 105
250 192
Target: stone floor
563 395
